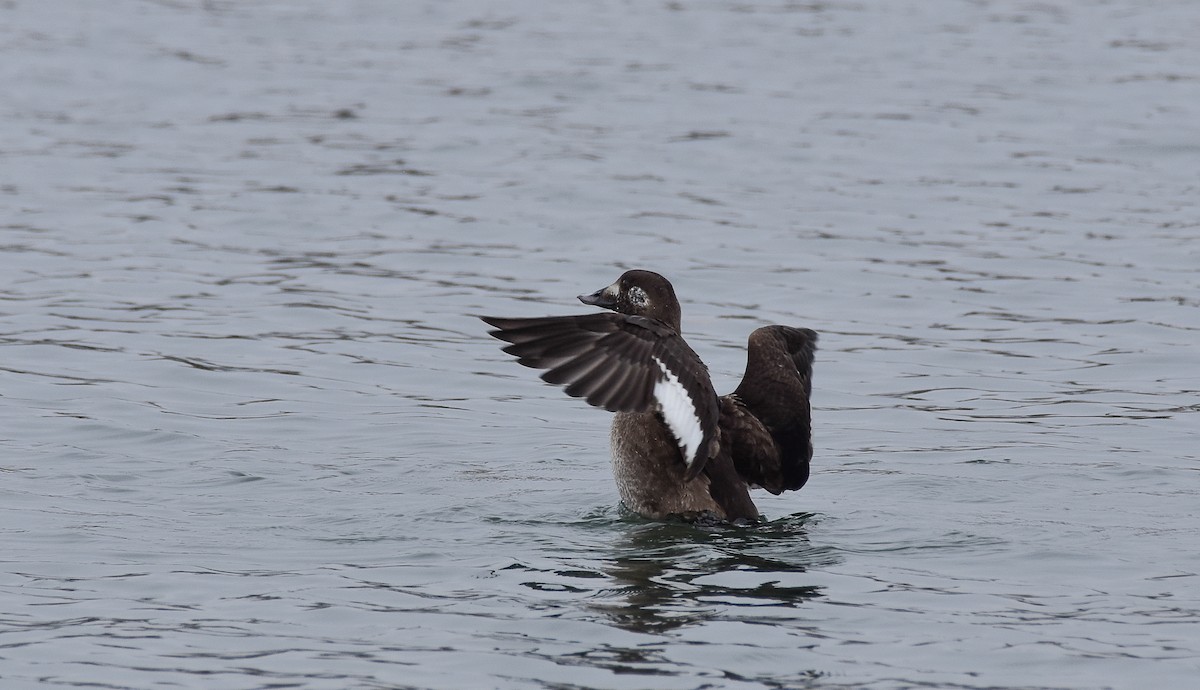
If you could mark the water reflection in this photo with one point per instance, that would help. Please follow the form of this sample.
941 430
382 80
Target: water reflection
673 574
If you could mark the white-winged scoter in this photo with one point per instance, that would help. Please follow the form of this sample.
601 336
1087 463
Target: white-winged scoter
677 448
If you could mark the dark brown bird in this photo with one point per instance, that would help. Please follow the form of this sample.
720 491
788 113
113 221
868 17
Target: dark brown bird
677 448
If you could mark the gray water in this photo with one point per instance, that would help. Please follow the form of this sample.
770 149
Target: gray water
252 436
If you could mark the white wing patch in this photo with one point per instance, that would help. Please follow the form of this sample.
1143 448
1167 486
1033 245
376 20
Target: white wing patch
679 410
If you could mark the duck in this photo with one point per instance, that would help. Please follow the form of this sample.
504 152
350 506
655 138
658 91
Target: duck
678 449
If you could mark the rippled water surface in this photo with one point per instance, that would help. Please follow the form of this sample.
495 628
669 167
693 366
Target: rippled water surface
252 436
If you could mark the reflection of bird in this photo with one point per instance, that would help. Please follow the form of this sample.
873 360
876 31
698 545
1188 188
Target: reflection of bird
677 448
662 572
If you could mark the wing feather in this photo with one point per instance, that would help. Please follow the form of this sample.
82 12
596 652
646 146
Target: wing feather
768 419
623 363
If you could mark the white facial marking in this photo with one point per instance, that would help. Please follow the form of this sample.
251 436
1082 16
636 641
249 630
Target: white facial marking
638 296
679 411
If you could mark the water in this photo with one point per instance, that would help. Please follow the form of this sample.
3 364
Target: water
252 436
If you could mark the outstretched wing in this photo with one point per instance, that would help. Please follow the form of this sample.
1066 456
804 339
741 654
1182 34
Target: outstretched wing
767 422
622 363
